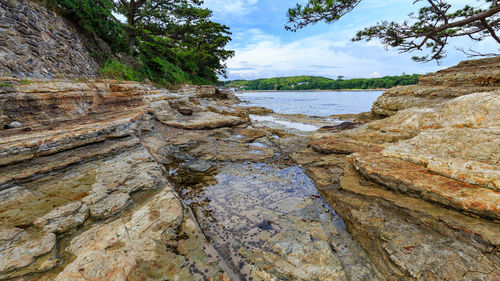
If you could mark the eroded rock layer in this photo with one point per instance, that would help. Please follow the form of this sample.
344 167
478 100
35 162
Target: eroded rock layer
419 189
81 197
468 77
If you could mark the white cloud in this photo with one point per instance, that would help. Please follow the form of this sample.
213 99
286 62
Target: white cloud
320 55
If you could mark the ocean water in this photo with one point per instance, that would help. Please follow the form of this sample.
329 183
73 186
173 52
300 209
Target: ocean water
313 103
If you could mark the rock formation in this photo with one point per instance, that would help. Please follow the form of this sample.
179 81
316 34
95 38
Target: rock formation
420 189
113 180
77 180
467 77
37 43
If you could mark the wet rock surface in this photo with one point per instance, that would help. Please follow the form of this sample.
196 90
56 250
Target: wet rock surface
268 222
100 205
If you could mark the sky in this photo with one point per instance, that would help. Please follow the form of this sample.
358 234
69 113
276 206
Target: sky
264 49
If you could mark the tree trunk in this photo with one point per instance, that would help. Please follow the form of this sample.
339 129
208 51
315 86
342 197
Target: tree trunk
130 41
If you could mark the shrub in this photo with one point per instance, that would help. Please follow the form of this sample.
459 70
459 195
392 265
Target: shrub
119 71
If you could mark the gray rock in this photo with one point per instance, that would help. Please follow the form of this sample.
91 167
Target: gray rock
200 166
15 125
32 42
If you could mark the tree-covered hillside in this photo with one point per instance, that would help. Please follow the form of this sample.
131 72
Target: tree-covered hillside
164 41
322 83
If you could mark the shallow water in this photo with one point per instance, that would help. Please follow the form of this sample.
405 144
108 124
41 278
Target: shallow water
324 103
285 123
255 210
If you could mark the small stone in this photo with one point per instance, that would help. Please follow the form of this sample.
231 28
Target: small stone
13 125
200 166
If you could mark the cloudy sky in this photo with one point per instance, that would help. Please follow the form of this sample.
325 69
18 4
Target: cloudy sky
265 49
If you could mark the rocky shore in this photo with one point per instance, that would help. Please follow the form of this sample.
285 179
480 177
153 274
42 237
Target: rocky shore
109 180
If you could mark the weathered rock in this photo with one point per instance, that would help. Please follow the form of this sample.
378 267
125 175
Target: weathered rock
185 111
468 77
136 247
406 245
23 252
465 154
30 34
103 205
421 196
129 172
258 110
416 180
204 121
341 127
64 218
339 145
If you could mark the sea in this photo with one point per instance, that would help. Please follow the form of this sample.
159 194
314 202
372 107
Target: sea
313 103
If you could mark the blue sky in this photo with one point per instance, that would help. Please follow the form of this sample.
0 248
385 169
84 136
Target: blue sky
265 49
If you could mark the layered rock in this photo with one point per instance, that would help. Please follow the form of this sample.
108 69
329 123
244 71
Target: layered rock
78 159
35 42
419 189
467 77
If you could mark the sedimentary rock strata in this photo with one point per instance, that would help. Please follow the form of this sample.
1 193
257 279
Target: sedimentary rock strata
473 76
419 189
77 181
125 181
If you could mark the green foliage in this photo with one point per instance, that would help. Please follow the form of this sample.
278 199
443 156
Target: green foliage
160 61
169 41
95 16
430 29
25 82
322 83
119 71
201 42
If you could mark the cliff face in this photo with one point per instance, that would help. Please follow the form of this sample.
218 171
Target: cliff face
467 77
420 189
35 42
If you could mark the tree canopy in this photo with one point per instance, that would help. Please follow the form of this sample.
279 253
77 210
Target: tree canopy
430 29
322 83
165 41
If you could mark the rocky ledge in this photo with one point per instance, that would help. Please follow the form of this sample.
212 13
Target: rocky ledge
420 189
467 77
82 196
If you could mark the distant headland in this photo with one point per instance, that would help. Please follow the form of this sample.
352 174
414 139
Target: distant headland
322 83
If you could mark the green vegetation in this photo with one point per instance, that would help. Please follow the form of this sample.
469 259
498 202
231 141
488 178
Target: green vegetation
322 83
119 71
430 28
164 41
25 82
